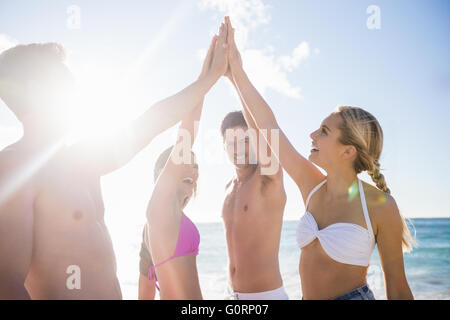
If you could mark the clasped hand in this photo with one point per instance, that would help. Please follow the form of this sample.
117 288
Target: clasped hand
223 57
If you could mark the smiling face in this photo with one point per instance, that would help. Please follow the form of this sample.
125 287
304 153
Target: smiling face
188 183
237 146
326 149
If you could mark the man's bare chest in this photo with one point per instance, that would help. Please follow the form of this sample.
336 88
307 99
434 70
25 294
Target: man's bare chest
68 199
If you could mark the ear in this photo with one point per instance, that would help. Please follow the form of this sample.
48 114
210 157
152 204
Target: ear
350 152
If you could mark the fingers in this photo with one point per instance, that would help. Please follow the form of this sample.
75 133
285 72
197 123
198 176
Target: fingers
222 41
211 49
230 35
228 23
209 56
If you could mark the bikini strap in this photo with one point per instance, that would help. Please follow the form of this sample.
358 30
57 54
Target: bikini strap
364 205
152 276
152 272
312 192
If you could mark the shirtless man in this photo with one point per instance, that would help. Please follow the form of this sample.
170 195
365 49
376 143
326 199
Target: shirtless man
253 216
254 203
54 243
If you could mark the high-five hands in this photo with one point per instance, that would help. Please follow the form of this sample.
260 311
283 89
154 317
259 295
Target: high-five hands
216 60
209 57
234 57
223 57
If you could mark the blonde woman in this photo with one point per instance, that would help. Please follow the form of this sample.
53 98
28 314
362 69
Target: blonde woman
344 217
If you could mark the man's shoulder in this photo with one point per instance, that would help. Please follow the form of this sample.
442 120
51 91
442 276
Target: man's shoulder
17 171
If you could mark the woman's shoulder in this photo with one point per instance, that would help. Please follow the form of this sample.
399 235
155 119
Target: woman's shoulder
381 206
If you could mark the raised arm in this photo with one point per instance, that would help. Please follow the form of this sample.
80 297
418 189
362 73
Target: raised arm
301 170
107 155
187 131
266 159
168 178
16 240
163 210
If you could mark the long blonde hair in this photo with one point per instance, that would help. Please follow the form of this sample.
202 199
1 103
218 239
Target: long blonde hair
362 130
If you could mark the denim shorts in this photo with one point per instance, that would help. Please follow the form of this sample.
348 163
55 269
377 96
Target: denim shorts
361 293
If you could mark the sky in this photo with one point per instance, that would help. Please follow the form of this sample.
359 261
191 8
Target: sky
305 57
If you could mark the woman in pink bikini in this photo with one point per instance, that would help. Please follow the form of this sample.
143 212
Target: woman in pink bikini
174 239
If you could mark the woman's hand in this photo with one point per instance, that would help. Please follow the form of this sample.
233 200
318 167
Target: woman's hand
219 62
209 57
234 57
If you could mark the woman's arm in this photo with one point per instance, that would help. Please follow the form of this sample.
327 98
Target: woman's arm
163 211
389 239
268 163
301 170
187 131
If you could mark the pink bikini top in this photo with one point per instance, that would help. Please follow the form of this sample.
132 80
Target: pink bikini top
188 243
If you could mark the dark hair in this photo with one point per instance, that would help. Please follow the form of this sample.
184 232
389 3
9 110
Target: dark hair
232 119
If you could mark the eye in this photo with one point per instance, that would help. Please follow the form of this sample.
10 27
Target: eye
324 131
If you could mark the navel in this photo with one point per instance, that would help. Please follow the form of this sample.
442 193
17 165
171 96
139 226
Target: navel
245 208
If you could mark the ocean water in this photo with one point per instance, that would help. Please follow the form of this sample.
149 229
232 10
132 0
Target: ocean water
427 266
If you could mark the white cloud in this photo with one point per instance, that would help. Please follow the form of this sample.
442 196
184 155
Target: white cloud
6 42
300 53
266 70
244 14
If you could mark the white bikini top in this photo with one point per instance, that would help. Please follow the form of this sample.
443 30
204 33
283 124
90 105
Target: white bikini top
347 243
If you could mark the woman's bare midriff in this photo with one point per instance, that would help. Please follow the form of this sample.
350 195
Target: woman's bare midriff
178 279
324 278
